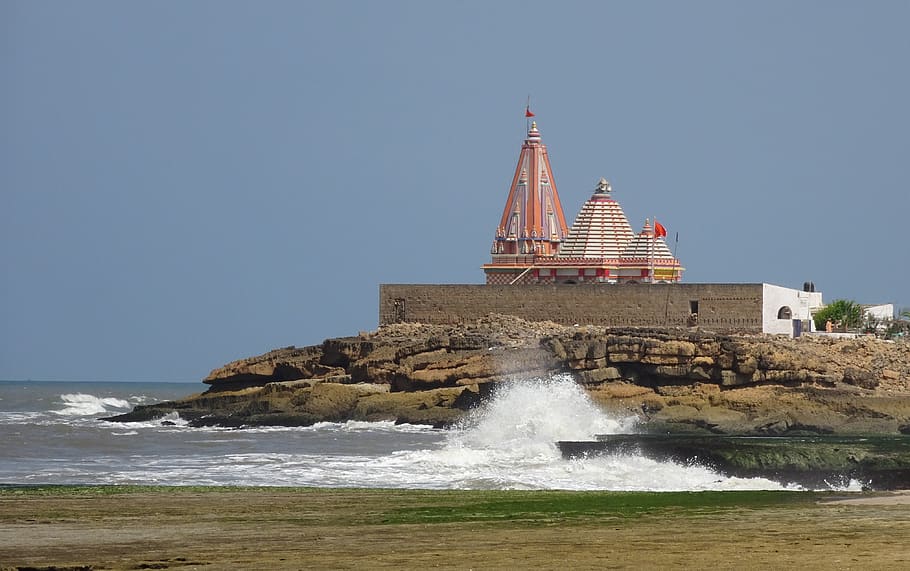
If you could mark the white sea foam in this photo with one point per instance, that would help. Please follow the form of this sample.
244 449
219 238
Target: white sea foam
172 419
380 426
80 404
20 417
508 443
169 420
853 485
142 399
536 413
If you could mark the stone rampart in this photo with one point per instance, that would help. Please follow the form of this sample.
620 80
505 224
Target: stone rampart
716 306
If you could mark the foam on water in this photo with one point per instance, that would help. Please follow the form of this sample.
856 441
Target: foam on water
355 426
80 404
509 442
531 415
46 408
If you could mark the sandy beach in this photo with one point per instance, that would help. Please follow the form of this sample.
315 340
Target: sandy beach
281 528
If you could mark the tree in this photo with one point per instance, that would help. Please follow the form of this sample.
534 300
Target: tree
841 312
900 327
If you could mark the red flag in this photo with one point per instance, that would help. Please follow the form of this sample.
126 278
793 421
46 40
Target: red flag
528 111
659 230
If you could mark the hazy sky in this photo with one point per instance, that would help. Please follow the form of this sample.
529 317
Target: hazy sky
187 183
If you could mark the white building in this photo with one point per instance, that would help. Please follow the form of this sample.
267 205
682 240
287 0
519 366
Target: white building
782 306
883 312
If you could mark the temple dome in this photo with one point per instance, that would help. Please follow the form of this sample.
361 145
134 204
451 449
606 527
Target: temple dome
646 245
601 229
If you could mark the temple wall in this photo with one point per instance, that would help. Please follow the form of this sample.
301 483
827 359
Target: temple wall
719 306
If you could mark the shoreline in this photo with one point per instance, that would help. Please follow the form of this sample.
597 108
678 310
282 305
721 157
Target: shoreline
130 527
890 498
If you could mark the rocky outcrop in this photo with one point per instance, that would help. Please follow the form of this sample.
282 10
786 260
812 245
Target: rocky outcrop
674 379
878 462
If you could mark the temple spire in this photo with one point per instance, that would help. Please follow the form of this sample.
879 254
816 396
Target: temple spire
532 221
533 244
532 224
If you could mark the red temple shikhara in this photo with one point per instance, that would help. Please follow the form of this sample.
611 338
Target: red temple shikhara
534 245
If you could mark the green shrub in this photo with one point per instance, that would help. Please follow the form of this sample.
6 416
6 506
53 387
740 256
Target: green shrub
841 312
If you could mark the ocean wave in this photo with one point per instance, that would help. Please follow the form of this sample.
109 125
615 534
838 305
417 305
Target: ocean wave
507 443
351 426
531 415
81 404
169 420
375 426
142 399
20 417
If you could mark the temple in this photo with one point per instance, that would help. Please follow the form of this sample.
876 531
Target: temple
534 253
533 245
532 223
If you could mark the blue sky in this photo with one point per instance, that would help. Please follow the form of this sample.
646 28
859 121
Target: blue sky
187 183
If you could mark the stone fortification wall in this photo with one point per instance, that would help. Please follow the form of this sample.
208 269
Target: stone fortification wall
717 306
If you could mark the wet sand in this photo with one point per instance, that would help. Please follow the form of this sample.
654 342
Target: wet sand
895 498
280 528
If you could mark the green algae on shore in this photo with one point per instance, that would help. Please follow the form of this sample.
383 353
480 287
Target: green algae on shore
199 527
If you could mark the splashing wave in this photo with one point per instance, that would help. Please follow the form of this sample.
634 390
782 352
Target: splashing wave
80 404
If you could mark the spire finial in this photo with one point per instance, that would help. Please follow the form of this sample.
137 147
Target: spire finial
603 186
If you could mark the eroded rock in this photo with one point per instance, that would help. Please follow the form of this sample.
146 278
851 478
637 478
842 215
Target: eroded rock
675 377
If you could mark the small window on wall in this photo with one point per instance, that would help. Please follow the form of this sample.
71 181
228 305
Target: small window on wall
784 313
693 306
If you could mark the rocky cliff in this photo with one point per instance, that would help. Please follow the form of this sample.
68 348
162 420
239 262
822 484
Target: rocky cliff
673 379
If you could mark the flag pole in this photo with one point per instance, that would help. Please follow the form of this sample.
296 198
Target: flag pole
528 114
651 249
676 251
674 280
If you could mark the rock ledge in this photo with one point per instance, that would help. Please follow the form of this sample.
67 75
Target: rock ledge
677 380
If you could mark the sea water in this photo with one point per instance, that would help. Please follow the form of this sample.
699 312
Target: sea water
51 433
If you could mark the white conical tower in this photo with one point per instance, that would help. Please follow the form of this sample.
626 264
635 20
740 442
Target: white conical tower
647 258
601 229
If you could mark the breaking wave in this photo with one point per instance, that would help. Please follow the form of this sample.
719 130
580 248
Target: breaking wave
508 442
80 404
